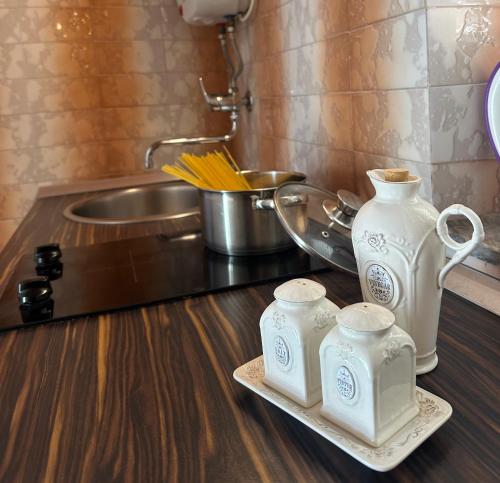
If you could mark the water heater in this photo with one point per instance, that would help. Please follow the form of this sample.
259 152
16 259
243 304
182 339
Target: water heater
210 12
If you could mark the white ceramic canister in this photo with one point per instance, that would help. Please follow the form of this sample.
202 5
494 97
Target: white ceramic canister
292 329
368 373
399 242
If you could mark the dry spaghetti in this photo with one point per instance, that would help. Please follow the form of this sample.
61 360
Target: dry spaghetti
211 171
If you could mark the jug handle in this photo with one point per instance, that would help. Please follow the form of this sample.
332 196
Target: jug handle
462 250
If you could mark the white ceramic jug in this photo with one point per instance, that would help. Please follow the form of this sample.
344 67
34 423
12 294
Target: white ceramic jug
399 242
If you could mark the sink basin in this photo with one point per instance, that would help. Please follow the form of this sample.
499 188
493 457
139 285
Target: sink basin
137 205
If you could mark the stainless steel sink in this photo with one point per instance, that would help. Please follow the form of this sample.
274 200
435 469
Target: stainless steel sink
137 205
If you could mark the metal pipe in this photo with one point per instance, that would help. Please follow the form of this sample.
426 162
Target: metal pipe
239 69
148 158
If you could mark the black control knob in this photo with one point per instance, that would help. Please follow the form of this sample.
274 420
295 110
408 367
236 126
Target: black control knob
47 255
34 291
47 261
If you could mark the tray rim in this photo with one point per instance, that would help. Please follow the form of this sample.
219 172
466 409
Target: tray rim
434 412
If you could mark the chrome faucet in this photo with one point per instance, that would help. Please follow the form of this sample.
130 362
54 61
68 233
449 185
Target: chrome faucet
229 102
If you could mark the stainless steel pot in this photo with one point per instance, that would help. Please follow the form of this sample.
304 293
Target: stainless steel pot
244 222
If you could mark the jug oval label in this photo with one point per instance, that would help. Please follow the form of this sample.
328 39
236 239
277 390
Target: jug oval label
345 383
379 283
281 353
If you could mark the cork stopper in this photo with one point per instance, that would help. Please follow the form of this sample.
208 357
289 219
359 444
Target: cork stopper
396 174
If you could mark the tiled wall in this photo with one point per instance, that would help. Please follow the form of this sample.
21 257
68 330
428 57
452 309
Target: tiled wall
342 86
86 85
464 47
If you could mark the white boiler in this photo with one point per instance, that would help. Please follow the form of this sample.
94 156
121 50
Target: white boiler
210 12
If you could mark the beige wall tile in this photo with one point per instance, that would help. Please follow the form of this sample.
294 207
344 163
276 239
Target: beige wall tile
457 125
130 57
193 56
464 44
393 123
23 96
55 59
49 129
472 183
335 127
16 200
363 12
454 3
391 54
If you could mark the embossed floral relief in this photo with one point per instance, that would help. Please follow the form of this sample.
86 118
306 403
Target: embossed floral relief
464 44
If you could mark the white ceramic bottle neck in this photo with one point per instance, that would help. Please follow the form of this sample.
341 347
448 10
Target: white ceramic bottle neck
394 191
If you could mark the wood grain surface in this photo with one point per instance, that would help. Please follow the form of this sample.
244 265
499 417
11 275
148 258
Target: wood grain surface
148 395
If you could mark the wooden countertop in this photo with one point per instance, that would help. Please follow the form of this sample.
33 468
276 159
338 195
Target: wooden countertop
148 395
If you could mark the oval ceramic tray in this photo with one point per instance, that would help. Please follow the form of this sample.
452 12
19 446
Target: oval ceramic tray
434 411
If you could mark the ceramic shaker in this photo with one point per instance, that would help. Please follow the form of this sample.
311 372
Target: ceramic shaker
368 373
292 329
399 242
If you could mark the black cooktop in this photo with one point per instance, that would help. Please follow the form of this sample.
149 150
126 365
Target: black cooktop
131 273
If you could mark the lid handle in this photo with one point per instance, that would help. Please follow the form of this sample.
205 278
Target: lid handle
268 203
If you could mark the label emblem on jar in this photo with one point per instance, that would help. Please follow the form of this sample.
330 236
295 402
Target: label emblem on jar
379 283
345 383
281 352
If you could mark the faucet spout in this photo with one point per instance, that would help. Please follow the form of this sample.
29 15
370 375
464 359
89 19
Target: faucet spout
148 158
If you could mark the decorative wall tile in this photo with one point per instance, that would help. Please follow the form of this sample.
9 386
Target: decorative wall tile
296 156
157 88
464 44
457 126
49 129
141 23
455 3
328 168
55 163
315 20
22 96
335 122
315 68
193 56
58 59
304 114
390 54
363 12
47 60
151 122
472 183
130 57
15 200
393 123
335 169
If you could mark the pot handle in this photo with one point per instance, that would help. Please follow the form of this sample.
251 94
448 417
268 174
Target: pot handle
268 203
462 250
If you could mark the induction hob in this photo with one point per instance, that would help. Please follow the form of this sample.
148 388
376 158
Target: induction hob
130 273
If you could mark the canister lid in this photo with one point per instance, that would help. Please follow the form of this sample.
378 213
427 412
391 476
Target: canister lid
300 290
301 210
365 317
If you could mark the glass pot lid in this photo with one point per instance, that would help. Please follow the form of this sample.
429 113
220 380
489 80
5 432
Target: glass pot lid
305 212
